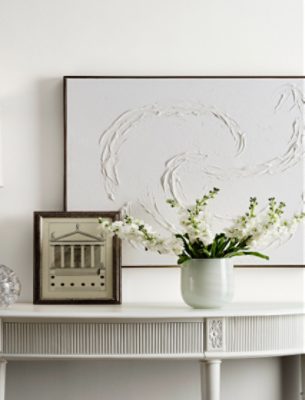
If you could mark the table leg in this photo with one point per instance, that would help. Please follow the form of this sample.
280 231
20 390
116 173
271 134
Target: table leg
210 379
2 378
303 377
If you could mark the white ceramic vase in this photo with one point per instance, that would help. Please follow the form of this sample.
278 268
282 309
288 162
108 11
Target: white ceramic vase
207 283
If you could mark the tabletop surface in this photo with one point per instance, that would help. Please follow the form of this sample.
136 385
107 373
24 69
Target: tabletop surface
148 310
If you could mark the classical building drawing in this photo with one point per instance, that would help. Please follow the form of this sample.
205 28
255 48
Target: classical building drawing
77 260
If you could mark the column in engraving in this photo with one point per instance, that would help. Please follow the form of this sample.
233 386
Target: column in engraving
52 256
92 256
72 264
101 254
82 256
62 256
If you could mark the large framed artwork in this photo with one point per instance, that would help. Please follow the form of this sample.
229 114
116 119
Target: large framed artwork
133 142
73 262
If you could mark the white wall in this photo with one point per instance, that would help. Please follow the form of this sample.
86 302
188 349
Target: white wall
152 380
40 41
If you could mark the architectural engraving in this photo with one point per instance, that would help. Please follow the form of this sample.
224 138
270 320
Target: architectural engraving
77 260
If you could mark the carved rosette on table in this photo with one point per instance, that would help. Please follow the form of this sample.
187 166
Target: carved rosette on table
215 334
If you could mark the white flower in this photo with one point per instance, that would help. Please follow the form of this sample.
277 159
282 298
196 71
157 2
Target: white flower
137 231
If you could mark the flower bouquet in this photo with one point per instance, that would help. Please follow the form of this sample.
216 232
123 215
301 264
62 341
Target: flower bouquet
204 255
248 233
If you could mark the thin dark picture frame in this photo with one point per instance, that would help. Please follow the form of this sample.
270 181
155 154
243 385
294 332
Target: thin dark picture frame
39 216
65 104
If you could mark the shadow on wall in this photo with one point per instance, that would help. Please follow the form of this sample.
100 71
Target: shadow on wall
50 122
19 256
111 379
291 378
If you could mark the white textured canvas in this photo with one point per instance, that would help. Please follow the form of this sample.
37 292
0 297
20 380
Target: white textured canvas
134 143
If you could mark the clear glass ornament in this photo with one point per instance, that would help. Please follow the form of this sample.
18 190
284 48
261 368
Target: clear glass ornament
10 286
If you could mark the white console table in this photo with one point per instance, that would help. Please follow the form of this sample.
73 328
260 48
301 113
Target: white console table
152 331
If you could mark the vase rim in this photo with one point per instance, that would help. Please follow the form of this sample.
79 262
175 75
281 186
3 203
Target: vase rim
206 261
216 258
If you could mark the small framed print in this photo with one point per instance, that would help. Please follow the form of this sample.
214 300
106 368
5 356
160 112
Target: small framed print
73 262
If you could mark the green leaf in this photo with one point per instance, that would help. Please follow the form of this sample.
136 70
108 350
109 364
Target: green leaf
213 248
183 258
247 253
